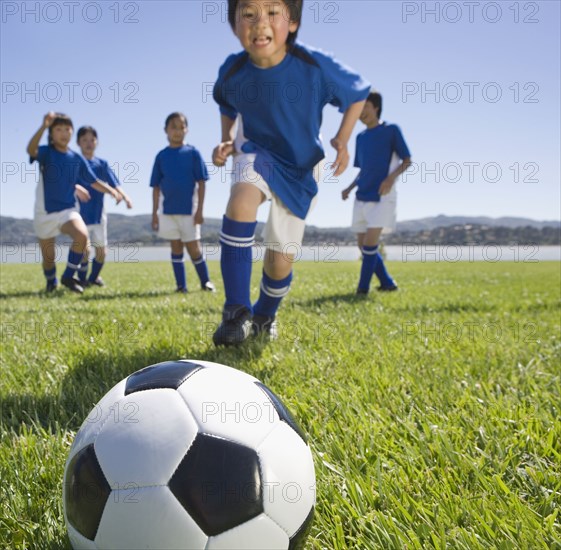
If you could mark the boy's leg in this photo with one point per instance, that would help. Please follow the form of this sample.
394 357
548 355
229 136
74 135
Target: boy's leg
197 257
78 232
49 267
236 262
84 264
370 256
275 285
97 265
178 265
283 233
373 236
83 270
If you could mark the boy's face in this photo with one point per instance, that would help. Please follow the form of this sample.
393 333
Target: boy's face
61 134
176 131
88 143
369 114
262 27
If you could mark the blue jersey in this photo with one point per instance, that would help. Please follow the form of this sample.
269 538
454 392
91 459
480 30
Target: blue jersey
281 110
59 173
176 172
92 211
375 149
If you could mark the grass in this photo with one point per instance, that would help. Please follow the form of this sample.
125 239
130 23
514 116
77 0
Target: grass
433 413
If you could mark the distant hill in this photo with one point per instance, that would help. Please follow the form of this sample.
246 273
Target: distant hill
436 230
446 221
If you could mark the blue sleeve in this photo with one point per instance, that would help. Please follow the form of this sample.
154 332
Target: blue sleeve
156 173
342 85
85 174
111 178
42 154
199 167
220 92
399 145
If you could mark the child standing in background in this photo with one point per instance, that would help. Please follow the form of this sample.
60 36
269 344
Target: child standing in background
93 211
382 156
178 183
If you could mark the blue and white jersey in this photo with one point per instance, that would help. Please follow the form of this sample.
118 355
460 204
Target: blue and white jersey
377 154
93 210
281 110
176 172
58 175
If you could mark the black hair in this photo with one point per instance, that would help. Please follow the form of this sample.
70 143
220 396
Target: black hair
59 120
84 130
376 99
176 114
295 8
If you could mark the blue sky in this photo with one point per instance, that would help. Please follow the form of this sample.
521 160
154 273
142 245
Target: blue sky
474 86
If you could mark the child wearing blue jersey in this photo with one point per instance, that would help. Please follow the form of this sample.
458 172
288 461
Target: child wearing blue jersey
272 95
178 193
63 174
382 156
93 211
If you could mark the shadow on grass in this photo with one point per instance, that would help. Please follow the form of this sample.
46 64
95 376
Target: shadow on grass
349 297
27 294
88 296
95 374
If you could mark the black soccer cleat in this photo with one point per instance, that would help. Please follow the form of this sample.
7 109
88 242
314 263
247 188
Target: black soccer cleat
361 292
181 290
208 287
98 282
52 285
391 288
72 284
265 327
235 328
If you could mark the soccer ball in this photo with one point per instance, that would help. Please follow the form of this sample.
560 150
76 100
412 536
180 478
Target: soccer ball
189 454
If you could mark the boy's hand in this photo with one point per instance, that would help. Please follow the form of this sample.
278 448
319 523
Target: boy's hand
82 193
48 119
345 193
342 159
386 186
198 218
155 222
222 152
116 195
126 199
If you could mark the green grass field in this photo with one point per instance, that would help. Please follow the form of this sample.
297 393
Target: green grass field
433 413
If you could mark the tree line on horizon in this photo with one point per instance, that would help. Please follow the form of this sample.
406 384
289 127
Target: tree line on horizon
137 229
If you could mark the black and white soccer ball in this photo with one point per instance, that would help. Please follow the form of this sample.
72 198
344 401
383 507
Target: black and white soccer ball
189 454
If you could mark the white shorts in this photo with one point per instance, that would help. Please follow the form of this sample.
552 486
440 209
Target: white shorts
98 233
283 231
48 226
370 214
181 227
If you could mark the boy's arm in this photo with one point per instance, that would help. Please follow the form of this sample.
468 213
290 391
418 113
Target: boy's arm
125 197
82 193
388 183
155 206
340 141
33 146
226 147
201 195
102 187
